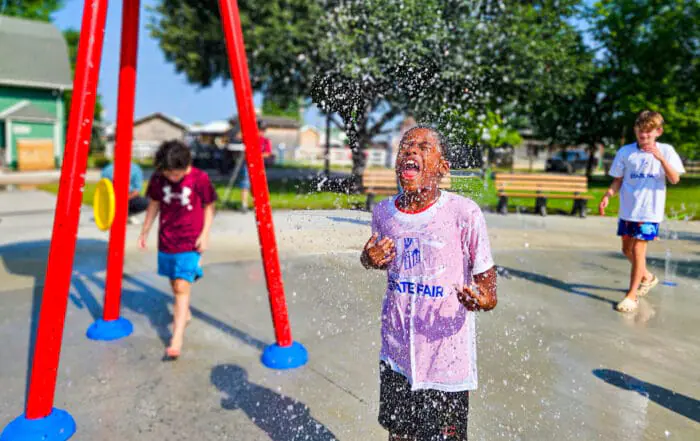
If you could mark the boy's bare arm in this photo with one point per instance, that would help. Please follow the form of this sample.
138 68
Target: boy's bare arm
485 299
151 213
671 174
209 211
612 190
202 243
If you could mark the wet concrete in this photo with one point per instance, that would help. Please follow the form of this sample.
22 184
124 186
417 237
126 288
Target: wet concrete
556 362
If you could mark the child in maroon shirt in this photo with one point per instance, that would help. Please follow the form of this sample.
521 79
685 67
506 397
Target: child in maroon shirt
185 198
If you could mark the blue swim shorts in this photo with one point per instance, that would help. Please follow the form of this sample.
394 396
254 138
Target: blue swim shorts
183 266
638 230
243 179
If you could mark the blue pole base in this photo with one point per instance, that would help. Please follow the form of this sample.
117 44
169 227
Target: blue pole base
278 357
111 330
57 426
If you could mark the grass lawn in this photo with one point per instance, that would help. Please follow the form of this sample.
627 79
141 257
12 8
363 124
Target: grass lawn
682 199
295 195
291 195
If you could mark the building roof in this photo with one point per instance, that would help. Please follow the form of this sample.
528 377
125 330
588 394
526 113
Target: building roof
214 127
309 127
26 111
171 119
33 54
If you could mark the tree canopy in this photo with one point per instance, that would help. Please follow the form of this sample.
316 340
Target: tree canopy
31 9
371 61
645 56
475 69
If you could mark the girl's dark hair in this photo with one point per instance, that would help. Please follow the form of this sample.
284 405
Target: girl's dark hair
442 139
173 155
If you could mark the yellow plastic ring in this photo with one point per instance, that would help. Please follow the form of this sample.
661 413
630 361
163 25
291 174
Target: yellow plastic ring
104 204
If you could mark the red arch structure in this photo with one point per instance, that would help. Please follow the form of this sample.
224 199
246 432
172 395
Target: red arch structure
41 421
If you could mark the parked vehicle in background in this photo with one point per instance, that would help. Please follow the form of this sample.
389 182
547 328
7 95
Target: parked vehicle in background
570 161
205 156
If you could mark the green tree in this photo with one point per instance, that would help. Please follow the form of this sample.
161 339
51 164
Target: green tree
279 36
453 63
292 109
72 37
371 61
31 9
644 55
649 58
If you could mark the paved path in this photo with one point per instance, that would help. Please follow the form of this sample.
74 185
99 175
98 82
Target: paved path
556 361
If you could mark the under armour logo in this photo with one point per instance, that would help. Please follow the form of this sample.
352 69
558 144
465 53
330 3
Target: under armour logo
184 197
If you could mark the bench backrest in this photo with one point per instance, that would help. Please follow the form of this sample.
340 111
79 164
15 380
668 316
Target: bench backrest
385 179
506 182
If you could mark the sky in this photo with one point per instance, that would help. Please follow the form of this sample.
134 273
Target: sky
158 87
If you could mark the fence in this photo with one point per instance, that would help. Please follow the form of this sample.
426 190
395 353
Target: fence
338 156
692 167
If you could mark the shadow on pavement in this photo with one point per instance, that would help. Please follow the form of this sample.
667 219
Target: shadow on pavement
29 259
673 401
683 267
281 418
681 235
349 220
573 288
153 304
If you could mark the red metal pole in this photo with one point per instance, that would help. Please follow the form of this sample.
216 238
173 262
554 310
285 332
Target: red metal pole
238 65
47 349
122 157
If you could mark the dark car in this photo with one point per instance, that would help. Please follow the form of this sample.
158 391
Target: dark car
569 161
205 156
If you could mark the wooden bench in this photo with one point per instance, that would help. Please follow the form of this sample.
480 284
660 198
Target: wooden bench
692 167
383 181
542 187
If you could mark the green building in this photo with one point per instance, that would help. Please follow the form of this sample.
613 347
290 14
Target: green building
34 74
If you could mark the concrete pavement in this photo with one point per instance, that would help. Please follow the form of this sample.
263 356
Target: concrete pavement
556 362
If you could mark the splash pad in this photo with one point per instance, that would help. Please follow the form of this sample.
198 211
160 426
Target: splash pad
41 421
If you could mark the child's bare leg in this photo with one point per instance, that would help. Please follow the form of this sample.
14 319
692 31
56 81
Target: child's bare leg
244 198
628 248
628 244
639 267
181 290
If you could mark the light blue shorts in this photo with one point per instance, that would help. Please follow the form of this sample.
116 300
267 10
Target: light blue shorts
243 179
183 266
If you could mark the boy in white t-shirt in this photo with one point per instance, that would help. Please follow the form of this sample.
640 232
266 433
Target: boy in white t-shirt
640 171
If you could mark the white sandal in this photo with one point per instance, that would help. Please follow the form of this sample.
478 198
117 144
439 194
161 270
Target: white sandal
627 305
645 287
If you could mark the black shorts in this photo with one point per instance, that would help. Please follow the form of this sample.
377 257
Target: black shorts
427 414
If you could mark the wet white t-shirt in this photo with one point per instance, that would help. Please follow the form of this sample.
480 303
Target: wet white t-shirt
643 191
427 334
